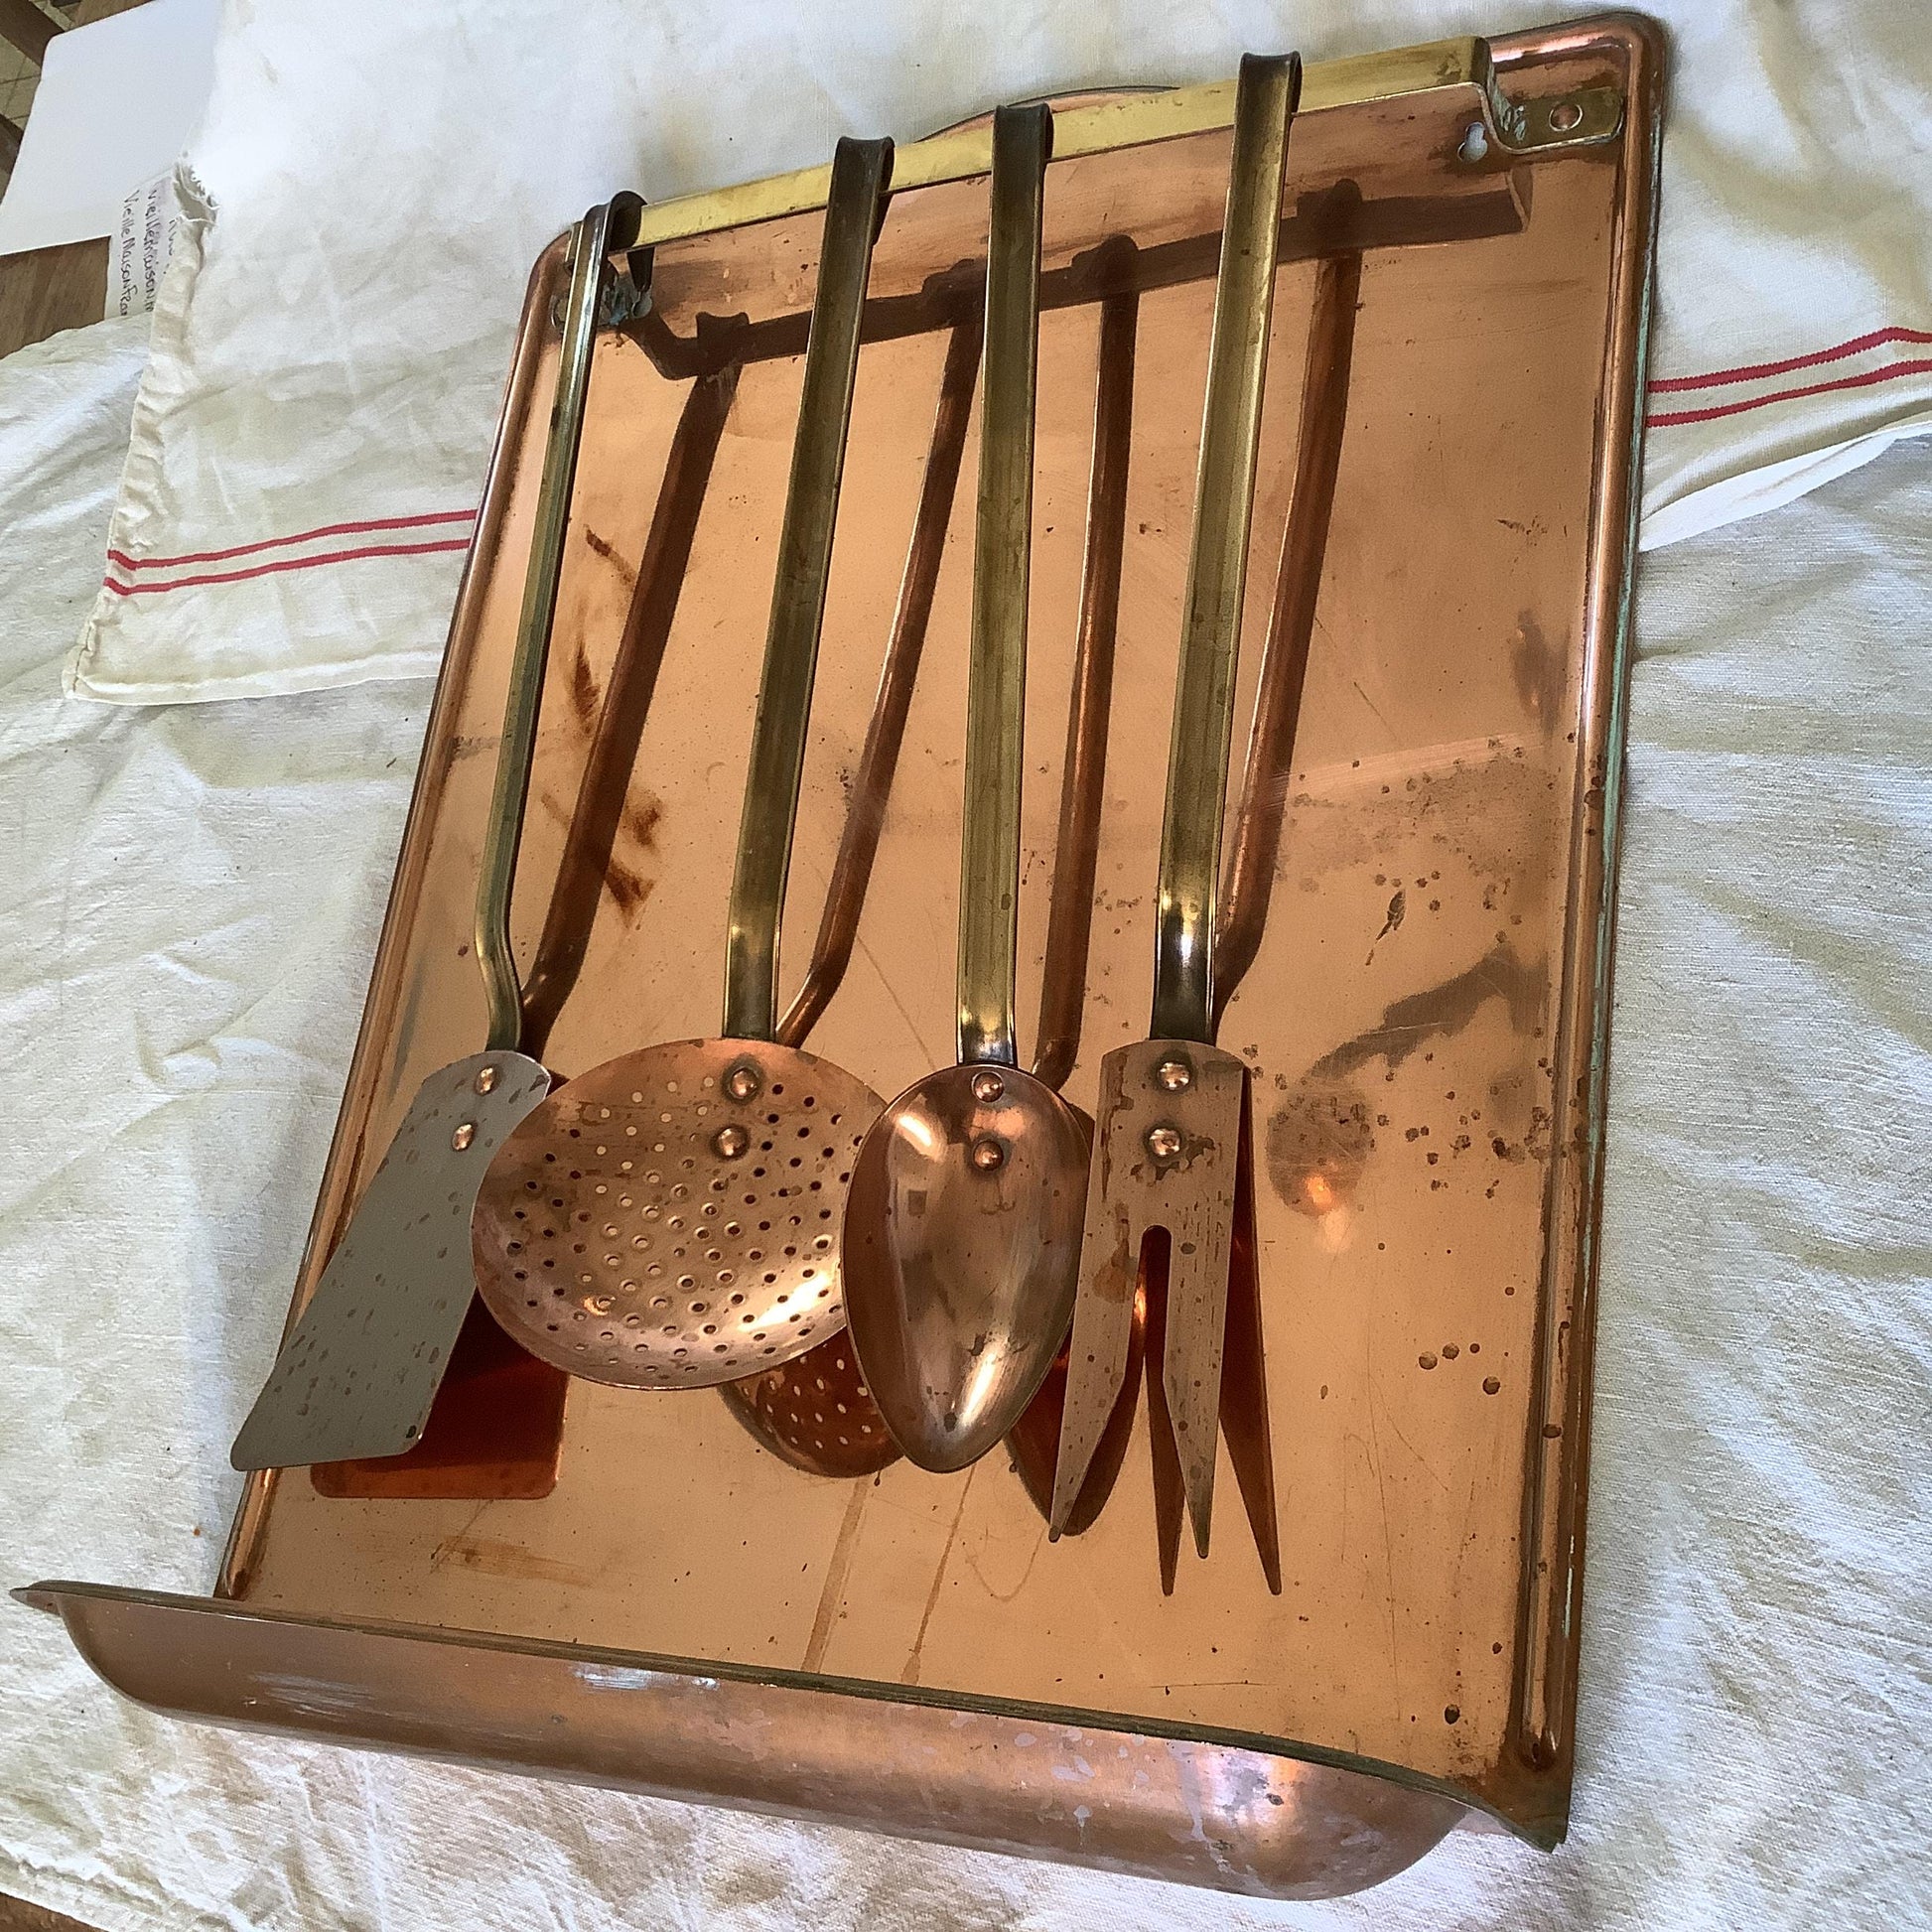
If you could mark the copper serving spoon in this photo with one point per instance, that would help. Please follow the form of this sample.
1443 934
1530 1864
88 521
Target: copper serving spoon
672 1218
816 1413
962 1223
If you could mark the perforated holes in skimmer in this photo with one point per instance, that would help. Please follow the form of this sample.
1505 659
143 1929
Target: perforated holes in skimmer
646 1227
816 1413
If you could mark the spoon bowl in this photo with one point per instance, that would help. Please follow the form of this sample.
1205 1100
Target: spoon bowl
962 1255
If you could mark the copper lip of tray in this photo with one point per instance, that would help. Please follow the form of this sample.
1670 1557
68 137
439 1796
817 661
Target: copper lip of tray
670 1593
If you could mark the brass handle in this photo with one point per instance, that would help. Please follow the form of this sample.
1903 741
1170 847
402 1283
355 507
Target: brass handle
1224 488
861 172
996 692
611 225
1076 849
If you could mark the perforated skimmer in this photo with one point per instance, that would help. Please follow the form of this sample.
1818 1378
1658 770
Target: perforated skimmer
672 1218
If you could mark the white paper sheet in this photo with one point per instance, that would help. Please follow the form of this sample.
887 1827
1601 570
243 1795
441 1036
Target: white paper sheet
116 104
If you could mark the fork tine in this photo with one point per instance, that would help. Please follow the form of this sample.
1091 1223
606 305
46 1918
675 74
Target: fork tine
1244 1374
1169 1502
1103 1317
1201 1227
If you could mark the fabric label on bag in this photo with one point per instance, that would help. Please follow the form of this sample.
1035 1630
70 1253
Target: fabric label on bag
149 218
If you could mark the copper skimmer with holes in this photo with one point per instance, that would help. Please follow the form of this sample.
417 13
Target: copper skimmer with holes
495 1429
1171 1150
359 1372
670 1219
816 1413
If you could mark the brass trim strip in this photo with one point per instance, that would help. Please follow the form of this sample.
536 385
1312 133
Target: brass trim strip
963 153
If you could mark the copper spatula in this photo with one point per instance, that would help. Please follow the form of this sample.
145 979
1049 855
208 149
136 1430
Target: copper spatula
358 1374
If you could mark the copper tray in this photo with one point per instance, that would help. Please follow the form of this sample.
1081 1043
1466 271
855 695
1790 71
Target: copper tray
662 1605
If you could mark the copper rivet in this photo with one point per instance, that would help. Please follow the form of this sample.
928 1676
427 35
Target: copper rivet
485 1079
743 1082
463 1135
988 1154
1173 1075
988 1086
1163 1141
1564 116
729 1142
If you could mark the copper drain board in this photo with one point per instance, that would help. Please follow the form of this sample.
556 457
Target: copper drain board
746 1597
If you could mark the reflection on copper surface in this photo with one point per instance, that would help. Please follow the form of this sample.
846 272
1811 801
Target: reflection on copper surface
585 870
1253 843
1244 1418
494 1429
872 784
1076 851
1320 1139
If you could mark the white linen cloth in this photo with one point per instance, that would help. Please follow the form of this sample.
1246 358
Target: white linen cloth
195 898
332 338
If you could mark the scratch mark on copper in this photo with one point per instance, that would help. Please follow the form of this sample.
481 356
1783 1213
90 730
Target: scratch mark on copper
911 1674
497 1558
832 1596
1428 1467
1370 702
1388 1539
911 1024
1041 1541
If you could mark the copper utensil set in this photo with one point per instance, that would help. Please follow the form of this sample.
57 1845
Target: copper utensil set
1337 996
722 1212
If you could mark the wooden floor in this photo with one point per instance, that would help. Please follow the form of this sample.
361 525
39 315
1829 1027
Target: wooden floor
45 291
17 1916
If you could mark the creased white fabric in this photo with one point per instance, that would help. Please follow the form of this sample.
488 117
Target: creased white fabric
195 898
330 350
